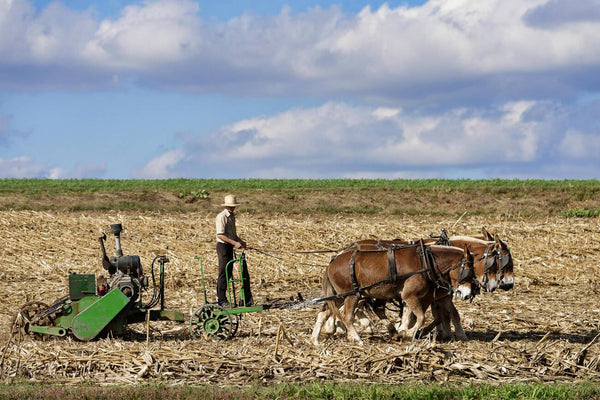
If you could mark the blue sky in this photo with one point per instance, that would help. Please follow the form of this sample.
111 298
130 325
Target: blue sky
300 89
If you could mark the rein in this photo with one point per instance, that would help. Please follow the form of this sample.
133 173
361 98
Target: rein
283 259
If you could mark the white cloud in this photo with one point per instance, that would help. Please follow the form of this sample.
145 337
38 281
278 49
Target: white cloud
577 146
443 49
339 140
147 36
163 166
23 167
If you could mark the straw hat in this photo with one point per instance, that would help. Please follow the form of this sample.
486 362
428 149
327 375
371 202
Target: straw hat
230 201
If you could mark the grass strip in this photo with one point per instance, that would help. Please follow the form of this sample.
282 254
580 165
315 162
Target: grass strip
315 390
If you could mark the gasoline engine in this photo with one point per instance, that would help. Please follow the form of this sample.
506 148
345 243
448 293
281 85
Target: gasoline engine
126 272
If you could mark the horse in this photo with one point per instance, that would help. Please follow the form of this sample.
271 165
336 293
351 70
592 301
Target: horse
491 259
507 279
413 273
493 264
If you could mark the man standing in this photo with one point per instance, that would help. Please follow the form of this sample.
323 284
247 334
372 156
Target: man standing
227 241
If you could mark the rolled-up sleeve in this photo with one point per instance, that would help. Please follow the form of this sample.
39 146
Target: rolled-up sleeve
221 221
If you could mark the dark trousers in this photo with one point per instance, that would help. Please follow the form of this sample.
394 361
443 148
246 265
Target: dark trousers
225 255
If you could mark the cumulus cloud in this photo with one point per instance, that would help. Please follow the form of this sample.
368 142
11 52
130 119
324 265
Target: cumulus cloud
147 36
554 13
443 50
23 167
163 166
341 140
484 88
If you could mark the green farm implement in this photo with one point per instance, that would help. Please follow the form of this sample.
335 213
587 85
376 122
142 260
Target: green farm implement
104 306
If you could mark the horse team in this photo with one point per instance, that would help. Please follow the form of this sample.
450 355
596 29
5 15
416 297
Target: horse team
416 275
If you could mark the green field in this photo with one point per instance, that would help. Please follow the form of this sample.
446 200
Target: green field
571 198
578 391
188 185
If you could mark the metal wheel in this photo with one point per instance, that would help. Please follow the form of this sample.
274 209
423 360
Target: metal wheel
32 313
213 320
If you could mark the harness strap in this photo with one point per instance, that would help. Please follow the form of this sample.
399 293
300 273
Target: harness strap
353 274
435 274
391 255
357 291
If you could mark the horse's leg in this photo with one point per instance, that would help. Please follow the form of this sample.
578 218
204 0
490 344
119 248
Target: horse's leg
379 310
455 316
408 320
329 326
349 308
414 304
441 318
367 311
436 320
323 315
363 319
333 325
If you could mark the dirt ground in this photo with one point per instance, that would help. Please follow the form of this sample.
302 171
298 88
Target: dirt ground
545 329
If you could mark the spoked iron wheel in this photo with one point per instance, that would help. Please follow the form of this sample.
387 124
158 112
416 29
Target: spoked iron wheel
32 314
215 321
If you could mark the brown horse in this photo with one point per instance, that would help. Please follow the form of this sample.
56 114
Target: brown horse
507 279
413 273
493 262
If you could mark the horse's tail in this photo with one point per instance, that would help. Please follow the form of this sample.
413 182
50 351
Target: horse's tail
329 291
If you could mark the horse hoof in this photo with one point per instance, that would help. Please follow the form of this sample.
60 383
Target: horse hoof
392 329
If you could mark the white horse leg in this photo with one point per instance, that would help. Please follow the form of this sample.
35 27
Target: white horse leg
408 320
321 318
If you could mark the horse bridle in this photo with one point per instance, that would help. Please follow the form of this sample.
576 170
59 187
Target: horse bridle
465 274
494 258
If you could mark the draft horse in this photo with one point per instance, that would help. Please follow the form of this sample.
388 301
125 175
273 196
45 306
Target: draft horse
414 273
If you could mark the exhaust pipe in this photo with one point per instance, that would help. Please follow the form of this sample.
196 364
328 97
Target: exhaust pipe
116 230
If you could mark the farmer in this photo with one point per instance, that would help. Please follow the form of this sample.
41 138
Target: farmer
227 241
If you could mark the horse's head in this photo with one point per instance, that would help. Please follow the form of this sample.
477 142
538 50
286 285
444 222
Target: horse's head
486 260
505 261
487 266
464 279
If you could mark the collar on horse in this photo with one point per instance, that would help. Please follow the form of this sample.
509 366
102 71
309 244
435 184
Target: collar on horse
434 274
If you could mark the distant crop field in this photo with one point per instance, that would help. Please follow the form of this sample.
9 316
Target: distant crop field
303 196
99 185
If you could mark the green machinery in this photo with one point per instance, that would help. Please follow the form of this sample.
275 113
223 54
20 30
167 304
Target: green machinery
223 322
104 306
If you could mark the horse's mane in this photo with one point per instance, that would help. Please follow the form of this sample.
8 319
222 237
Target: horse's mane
470 239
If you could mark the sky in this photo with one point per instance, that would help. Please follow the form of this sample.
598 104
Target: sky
156 89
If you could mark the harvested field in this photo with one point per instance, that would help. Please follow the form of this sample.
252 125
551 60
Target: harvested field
545 329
